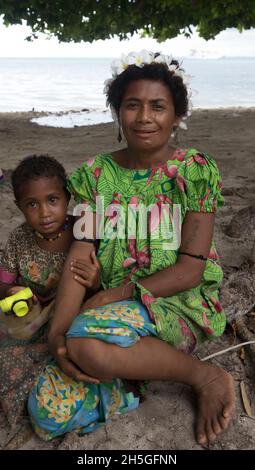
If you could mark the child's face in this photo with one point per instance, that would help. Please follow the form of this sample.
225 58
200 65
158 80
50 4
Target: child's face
44 205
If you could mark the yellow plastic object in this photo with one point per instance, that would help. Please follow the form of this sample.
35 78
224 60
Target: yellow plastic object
20 308
17 302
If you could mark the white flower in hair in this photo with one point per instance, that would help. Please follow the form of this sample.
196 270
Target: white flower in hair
117 67
142 58
180 73
162 59
172 67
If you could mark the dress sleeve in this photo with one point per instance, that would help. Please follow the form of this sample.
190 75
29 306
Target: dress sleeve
82 184
8 263
201 182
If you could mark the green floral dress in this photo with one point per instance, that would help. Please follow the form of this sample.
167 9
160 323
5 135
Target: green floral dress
190 180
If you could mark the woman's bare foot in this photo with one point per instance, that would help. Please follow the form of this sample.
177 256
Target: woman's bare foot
216 404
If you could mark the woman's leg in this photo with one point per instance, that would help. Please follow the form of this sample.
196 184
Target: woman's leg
153 359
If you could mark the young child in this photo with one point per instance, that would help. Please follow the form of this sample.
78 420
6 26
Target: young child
33 257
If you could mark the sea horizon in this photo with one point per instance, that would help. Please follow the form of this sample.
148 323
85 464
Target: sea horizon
62 84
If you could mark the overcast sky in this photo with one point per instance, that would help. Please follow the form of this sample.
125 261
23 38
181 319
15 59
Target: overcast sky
229 43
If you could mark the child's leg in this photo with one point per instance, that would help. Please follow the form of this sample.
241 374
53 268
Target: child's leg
153 359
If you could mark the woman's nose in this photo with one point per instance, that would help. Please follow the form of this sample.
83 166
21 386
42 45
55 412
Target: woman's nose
144 114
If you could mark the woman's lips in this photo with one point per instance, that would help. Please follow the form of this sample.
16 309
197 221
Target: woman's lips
144 133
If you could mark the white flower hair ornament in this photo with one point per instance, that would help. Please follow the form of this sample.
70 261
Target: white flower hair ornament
146 57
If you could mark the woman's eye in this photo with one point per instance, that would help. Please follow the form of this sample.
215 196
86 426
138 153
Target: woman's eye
132 105
158 107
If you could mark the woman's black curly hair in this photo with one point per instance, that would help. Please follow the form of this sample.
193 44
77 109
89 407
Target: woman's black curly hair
154 71
34 167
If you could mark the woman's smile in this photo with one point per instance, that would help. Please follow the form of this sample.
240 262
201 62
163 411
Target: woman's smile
143 133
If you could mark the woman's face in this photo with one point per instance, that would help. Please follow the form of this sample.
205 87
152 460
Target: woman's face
147 115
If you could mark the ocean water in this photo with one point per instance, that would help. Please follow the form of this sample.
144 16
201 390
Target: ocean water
61 85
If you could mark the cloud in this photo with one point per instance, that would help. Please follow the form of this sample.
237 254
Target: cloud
229 43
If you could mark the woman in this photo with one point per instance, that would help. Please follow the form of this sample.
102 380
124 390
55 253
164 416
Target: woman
174 285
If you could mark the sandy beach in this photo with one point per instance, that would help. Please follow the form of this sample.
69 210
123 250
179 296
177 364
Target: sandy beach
165 420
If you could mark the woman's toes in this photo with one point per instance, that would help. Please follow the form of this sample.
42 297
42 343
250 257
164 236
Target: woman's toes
228 411
223 422
211 436
202 439
216 426
201 435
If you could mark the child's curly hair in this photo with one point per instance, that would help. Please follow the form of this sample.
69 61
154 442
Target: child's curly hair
34 167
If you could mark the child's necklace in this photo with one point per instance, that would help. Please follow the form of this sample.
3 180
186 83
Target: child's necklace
59 234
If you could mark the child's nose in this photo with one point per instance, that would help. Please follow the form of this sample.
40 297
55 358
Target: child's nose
44 210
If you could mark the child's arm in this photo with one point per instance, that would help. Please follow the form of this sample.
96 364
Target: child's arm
9 289
9 266
69 298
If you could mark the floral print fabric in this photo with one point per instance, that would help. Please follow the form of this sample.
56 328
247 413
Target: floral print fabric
25 263
22 359
190 179
59 404
20 364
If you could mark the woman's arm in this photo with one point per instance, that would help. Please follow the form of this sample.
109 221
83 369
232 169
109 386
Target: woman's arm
196 239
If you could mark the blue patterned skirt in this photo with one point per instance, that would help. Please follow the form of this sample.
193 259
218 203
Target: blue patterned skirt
59 404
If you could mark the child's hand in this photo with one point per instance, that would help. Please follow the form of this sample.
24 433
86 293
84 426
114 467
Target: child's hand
14 289
87 272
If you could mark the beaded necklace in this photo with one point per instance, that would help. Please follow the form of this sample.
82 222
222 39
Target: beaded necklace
59 234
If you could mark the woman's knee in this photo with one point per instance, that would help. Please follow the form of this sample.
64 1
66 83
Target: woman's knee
91 355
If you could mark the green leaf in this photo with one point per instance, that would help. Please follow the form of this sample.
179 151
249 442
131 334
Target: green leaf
89 20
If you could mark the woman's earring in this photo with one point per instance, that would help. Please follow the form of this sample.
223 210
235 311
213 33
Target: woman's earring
119 135
175 136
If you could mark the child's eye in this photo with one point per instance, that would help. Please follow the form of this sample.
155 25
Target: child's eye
31 204
53 199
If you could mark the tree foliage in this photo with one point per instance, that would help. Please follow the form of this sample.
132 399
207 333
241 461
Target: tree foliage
88 20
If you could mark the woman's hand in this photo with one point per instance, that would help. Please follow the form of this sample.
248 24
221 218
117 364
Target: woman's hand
87 272
57 346
109 296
